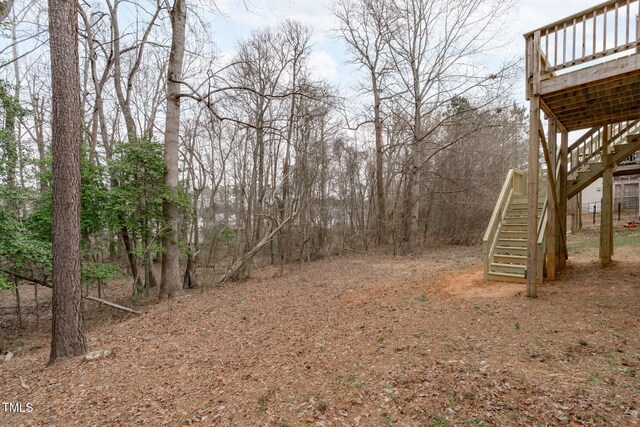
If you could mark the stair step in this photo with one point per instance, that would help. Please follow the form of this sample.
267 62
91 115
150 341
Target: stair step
508 268
522 210
511 221
515 227
516 234
526 197
506 277
624 147
521 243
511 250
622 151
510 259
525 202
520 214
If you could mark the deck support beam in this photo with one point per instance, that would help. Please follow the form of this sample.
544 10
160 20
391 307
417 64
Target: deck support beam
576 223
576 201
532 209
552 225
562 194
606 220
533 93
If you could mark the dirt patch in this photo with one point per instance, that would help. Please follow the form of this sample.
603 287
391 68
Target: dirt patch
470 283
357 341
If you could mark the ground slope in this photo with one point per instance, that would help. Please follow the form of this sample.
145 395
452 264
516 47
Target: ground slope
359 341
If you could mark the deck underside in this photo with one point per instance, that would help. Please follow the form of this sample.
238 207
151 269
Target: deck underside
596 95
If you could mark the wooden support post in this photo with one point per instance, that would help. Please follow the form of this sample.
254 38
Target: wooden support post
554 194
562 195
532 211
576 225
533 170
540 265
552 225
606 218
576 220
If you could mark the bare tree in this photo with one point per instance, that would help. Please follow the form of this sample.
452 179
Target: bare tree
170 282
364 28
124 94
67 338
430 43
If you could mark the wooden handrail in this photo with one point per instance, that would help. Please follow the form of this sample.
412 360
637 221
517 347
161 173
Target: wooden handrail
542 221
599 9
493 223
582 139
600 31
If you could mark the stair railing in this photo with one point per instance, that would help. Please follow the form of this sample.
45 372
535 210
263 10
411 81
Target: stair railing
585 148
589 146
514 185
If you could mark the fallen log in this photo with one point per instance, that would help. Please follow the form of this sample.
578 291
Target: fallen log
112 304
247 257
87 297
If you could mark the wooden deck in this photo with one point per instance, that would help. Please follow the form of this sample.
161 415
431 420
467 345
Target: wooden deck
596 95
582 72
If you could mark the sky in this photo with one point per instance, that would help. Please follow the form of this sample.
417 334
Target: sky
329 61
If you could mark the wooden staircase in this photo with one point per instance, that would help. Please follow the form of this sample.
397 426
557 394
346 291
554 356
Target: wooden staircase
509 259
582 73
505 241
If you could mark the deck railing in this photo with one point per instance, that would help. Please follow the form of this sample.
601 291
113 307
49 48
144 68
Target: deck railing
600 31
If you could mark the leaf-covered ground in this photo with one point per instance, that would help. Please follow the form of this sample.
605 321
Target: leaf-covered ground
369 341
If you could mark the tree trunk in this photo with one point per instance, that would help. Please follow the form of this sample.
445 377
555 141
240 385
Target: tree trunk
377 123
170 282
414 189
416 166
67 339
189 280
131 257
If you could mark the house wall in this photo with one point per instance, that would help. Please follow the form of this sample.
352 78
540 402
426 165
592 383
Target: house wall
626 191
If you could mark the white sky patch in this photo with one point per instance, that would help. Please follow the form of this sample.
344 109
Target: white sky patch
533 14
258 14
323 65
